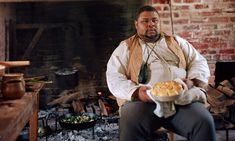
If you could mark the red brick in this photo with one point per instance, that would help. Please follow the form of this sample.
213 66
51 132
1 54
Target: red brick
225 57
204 52
223 32
205 13
232 19
196 18
166 8
219 11
218 45
200 45
233 57
227 51
227 25
204 33
176 14
201 6
197 33
164 15
212 52
219 19
177 1
191 1
197 21
228 0
166 22
160 1
185 34
211 39
209 27
191 27
181 21
181 7
215 57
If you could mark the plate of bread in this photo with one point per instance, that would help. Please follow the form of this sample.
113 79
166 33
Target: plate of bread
166 91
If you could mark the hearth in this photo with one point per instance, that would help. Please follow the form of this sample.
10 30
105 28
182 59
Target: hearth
103 105
106 127
221 97
79 35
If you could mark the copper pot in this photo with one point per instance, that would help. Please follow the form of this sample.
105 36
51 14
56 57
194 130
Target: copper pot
13 86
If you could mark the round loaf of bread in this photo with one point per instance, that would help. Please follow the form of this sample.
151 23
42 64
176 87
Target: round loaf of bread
168 88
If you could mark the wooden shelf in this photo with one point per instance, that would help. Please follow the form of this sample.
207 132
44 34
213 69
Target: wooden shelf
11 1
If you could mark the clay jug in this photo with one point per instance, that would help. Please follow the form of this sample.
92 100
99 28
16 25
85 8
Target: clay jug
13 86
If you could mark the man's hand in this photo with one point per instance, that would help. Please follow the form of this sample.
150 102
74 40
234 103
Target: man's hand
141 94
189 83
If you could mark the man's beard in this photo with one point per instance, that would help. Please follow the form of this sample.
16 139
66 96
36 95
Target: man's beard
152 38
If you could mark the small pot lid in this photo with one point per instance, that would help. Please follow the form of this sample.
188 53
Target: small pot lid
66 71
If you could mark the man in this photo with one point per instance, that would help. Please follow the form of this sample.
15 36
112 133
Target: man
149 57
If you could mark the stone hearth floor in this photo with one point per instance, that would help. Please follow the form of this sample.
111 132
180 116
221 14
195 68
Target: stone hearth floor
110 132
102 132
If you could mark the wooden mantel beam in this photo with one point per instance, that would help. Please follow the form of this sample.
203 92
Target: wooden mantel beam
45 25
19 1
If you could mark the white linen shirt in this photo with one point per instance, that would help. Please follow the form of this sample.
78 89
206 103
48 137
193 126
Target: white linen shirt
123 88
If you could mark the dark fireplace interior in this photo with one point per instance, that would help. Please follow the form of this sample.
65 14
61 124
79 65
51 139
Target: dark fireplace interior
221 96
61 36
224 71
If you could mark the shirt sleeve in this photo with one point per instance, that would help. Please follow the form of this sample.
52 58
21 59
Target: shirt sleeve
117 81
197 67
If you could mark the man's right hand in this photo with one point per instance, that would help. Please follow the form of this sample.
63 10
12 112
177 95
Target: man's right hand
141 94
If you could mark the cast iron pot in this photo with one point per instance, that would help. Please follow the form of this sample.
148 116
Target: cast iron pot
66 78
78 126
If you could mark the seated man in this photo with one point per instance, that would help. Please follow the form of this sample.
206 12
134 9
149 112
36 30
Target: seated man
148 57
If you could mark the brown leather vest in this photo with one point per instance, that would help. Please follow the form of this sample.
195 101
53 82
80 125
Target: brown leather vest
135 55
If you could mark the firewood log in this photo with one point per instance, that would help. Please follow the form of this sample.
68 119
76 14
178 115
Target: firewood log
227 88
78 106
104 112
66 98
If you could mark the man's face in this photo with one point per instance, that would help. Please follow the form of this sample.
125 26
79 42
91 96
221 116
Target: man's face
148 25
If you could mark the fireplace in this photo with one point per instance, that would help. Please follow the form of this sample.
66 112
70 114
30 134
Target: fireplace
224 71
221 96
78 35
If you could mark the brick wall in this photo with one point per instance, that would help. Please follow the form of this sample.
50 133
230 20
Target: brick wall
208 24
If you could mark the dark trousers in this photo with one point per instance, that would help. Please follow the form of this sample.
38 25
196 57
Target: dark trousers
192 121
